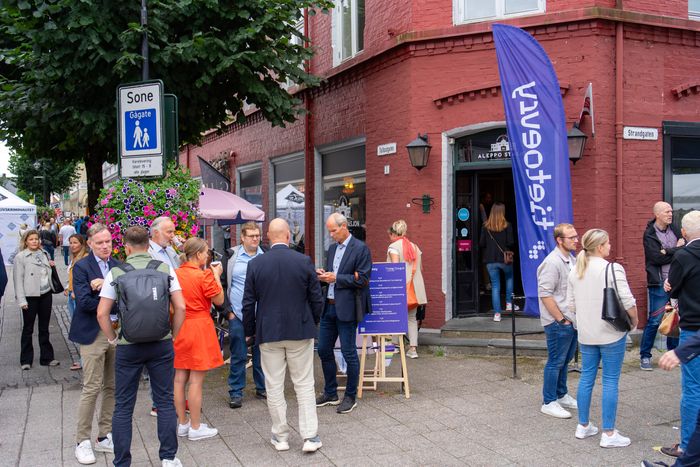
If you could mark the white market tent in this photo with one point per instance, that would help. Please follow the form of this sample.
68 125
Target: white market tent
13 212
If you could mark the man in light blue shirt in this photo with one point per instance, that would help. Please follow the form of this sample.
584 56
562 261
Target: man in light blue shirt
159 246
235 273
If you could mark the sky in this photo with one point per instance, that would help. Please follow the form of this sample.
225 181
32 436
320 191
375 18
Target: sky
4 158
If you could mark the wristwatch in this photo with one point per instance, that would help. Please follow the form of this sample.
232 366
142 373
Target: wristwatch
563 320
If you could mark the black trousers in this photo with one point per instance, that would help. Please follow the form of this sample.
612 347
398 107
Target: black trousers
41 307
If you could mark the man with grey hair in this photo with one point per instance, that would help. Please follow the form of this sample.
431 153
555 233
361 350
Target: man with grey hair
661 241
347 273
97 355
682 282
160 245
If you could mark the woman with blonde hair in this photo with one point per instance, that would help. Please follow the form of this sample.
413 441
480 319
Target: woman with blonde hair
598 339
402 250
32 280
77 249
497 238
196 346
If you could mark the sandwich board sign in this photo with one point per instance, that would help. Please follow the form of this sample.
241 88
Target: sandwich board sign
140 116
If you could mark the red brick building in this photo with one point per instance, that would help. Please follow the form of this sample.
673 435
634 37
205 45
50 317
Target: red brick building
394 69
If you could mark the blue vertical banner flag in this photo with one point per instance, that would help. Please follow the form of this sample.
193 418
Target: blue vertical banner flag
539 150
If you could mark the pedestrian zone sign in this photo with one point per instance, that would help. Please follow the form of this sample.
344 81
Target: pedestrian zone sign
140 113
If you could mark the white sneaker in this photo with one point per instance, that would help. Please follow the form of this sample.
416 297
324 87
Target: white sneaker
583 432
555 410
84 454
183 430
312 444
568 402
171 463
106 445
511 307
497 317
412 354
203 432
614 441
280 445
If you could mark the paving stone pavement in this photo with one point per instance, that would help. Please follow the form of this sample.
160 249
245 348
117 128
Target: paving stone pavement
463 410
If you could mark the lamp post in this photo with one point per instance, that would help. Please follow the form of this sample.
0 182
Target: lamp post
419 151
38 165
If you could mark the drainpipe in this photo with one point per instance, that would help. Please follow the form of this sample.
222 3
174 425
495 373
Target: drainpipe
309 160
619 101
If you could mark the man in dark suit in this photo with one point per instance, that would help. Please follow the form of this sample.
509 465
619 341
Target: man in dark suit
3 276
348 268
689 350
683 280
282 305
96 353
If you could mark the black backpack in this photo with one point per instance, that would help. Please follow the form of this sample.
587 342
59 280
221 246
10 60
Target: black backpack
143 299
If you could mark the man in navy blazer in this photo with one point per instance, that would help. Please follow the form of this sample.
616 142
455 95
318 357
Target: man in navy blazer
95 352
347 273
282 305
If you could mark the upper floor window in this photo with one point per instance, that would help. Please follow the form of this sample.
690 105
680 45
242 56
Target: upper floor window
348 29
694 9
469 11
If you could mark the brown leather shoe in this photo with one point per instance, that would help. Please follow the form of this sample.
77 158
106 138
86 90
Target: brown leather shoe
672 451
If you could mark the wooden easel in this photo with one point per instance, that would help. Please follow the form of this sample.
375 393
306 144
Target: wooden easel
379 373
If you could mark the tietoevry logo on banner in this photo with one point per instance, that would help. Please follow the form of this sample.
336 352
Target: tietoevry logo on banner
539 151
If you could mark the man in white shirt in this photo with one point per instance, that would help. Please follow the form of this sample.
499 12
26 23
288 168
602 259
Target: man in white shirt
162 235
64 238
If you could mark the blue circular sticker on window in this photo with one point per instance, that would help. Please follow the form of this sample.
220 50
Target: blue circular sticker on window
463 214
464 232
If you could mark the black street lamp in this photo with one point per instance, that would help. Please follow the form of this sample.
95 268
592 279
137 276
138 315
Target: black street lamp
577 142
419 151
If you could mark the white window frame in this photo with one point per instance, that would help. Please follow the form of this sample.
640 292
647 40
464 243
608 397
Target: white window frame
299 26
460 13
337 31
693 14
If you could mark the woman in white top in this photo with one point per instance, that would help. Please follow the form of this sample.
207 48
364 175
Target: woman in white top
597 338
403 250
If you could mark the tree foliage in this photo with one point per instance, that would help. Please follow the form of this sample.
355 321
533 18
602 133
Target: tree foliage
62 60
42 176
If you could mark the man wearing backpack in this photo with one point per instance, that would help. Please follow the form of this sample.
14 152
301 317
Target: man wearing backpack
144 290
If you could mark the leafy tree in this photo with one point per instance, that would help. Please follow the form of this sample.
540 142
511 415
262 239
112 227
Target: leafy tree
42 176
62 60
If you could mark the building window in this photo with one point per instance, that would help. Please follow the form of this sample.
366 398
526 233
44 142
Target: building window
344 181
469 11
682 167
348 29
694 9
289 196
250 184
297 40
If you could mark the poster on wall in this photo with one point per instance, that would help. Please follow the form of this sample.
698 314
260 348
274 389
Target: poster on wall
387 288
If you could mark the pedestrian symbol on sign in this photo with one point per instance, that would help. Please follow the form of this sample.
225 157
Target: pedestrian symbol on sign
141 127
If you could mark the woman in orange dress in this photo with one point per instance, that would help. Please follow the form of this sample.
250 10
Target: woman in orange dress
196 346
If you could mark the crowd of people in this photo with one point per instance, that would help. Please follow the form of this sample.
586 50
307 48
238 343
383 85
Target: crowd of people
152 313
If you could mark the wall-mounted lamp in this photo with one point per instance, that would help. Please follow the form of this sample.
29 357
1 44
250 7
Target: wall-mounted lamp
419 151
577 142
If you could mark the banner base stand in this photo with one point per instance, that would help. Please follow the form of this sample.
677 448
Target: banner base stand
378 374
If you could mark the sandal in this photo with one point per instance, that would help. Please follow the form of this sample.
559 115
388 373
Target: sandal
76 366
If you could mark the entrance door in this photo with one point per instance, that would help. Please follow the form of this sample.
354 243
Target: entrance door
475 193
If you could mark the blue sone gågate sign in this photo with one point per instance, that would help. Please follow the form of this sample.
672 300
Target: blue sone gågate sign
140 114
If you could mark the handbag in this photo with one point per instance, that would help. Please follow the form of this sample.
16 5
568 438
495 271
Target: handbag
669 323
56 285
411 299
613 311
508 256
420 313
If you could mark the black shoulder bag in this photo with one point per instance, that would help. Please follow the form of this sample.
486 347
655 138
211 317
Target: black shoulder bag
613 311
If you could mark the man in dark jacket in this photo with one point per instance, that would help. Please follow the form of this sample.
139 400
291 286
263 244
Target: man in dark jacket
662 240
282 305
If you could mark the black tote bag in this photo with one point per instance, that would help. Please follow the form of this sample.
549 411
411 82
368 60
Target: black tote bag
613 311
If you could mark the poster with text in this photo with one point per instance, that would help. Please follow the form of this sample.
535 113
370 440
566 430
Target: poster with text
387 288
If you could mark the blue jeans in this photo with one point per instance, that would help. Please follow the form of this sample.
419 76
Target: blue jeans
71 305
66 250
690 393
494 274
332 328
158 357
591 355
239 357
657 299
561 347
